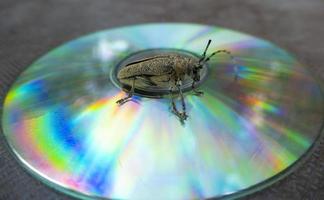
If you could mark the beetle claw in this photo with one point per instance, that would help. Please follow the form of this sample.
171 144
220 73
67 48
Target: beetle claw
121 101
183 116
199 93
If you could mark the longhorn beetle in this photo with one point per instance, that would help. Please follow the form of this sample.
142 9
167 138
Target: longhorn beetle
168 68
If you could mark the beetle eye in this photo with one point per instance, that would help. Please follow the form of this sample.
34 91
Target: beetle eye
196 77
197 67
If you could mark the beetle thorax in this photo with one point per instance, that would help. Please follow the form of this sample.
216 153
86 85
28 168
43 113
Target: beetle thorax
184 66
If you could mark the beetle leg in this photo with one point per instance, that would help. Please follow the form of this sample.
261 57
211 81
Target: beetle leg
147 80
130 94
183 115
197 92
174 108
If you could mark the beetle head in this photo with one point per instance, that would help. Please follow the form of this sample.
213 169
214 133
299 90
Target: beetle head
196 72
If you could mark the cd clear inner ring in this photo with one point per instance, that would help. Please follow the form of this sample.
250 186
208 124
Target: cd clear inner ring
158 90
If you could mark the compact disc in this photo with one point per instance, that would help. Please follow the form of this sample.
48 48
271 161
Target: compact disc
61 119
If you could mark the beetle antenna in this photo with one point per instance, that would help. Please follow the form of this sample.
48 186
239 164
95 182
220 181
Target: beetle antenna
217 52
204 54
233 60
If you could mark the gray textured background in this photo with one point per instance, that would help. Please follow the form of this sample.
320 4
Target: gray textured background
29 29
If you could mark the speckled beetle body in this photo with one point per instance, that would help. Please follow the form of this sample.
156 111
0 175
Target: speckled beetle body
165 70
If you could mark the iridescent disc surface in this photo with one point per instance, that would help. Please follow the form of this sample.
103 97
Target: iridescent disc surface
62 122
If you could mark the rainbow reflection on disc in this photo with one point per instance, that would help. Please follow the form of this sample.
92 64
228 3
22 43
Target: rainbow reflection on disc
61 118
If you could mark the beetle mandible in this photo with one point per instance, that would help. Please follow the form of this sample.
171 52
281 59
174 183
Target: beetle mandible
171 69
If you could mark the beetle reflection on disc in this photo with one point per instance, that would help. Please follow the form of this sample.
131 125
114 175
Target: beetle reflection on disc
62 122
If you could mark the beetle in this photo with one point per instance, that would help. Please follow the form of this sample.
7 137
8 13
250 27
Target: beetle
166 70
